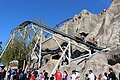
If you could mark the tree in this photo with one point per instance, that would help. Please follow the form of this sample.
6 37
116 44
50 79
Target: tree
16 50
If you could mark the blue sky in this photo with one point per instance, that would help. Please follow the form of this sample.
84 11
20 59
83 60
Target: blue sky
51 12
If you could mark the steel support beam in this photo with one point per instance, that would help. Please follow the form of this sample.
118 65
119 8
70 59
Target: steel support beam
40 48
59 60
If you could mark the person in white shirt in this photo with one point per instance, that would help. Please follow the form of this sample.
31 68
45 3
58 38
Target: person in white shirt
73 76
105 77
77 75
91 76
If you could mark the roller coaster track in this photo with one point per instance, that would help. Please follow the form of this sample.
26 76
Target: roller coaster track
24 24
61 33
57 25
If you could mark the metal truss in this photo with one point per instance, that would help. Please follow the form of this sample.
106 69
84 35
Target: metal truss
24 34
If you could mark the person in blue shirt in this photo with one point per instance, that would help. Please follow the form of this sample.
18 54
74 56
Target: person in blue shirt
9 74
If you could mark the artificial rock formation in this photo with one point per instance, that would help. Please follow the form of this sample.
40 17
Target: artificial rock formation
105 28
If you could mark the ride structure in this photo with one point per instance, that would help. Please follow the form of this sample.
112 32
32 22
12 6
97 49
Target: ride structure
31 32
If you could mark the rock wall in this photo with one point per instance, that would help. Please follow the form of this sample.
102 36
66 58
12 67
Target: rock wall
105 28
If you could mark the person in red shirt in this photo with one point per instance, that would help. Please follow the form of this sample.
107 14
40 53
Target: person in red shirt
32 77
58 75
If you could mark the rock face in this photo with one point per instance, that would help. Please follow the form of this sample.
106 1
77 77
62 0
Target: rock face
105 28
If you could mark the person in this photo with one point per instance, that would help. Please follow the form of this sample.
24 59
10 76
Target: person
9 74
91 76
17 74
35 73
80 36
105 77
100 77
73 76
119 76
41 76
58 75
32 77
2 74
24 76
37 78
13 75
112 75
65 74
29 76
92 42
77 75
86 77
45 75
21 76
52 77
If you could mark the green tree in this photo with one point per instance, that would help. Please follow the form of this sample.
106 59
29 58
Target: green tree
16 50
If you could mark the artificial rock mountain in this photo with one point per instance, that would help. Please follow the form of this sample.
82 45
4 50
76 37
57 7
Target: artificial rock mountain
105 28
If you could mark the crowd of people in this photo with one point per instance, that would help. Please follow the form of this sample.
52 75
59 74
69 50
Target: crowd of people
105 76
35 74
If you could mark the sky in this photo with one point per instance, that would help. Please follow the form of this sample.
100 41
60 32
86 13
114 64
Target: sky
51 12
